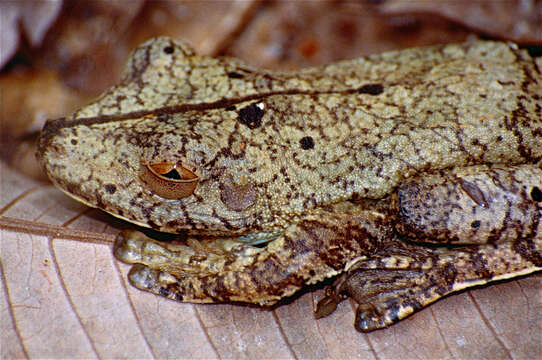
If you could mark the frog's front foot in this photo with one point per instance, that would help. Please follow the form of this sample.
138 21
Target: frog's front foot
225 270
198 271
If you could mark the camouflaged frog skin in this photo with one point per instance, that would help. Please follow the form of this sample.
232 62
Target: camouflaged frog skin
411 174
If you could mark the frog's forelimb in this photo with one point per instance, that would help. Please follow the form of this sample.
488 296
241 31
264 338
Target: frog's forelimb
225 270
388 275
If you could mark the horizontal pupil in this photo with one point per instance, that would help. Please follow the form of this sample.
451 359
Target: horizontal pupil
172 174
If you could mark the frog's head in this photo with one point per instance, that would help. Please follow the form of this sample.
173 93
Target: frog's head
199 171
179 145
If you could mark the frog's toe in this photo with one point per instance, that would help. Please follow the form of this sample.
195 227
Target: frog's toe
387 309
133 247
385 297
179 287
369 318
145 278
188 285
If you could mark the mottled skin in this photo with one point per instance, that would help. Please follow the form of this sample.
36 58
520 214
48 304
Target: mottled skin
351 168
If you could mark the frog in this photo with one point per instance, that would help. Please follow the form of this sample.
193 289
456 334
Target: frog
398 178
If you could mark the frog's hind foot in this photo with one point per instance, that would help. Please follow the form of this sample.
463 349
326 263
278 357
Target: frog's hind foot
390 287
383 296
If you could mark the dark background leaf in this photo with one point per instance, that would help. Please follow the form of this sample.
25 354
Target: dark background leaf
66 296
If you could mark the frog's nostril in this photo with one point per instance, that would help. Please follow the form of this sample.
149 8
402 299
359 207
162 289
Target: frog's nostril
536 194
169 180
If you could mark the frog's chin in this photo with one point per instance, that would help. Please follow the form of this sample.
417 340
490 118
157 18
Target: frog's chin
81 200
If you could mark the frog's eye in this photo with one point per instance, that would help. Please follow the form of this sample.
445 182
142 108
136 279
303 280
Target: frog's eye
169 180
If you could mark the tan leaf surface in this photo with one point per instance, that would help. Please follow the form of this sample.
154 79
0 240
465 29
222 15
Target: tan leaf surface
65 298
63 294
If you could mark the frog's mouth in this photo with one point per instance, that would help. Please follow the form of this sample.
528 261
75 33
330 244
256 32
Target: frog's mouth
89 204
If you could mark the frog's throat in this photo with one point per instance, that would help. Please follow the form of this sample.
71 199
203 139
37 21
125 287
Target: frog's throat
81 200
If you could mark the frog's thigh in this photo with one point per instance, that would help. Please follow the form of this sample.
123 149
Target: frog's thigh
226 271
472 205
392 285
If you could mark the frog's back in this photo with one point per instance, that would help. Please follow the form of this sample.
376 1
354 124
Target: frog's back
267 145
466 105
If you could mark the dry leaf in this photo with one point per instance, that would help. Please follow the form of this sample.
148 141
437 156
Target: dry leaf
87 45
31 97
288 34
34 17
515 20
64 298
208 25
34 97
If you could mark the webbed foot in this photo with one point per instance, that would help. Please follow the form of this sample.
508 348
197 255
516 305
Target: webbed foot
389 287
226 270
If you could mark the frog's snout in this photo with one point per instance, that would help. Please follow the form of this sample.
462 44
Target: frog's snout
46 148
49 130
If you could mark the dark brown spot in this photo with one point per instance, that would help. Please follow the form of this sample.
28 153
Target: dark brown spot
110 188
251 116
235 75
163 291
307 143
172 174
536 194
527 250
73 141
371 89
475 224
169 50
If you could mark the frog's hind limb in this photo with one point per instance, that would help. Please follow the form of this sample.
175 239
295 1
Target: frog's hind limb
472 205
389 277
392 286
225 270
505 204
